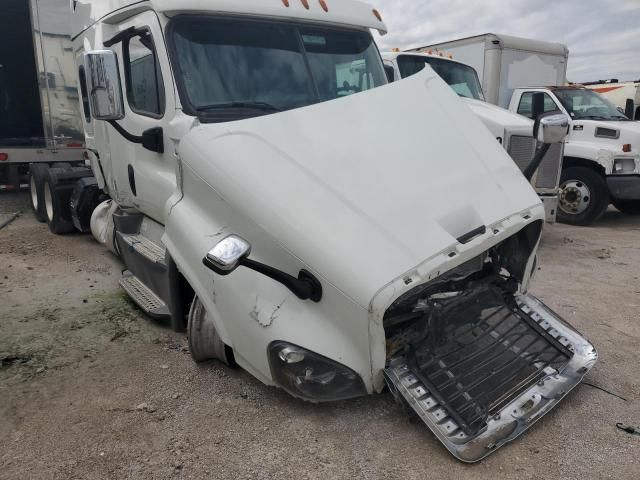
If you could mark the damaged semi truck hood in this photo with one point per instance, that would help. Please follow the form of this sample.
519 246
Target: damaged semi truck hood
364 188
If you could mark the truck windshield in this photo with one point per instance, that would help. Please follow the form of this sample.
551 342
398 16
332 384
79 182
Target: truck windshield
463 79
588 105
231 68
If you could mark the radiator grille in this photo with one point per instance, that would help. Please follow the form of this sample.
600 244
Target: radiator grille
521 150
549 171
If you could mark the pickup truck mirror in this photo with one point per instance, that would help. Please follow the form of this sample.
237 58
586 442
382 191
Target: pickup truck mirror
551 127
103 85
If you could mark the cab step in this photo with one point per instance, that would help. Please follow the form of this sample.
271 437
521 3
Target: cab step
144 246
144 297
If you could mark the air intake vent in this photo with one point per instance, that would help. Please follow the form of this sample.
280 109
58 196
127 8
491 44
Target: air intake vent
607 132
521 149
549 170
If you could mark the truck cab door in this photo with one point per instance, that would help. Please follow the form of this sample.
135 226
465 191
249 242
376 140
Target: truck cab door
149 103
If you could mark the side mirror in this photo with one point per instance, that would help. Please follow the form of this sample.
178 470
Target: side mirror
388 70
551 127
629 106
227 254
233 251
103 85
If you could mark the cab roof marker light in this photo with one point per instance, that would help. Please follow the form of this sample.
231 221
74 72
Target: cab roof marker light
626 147
305 3
377 14
324 5
286 3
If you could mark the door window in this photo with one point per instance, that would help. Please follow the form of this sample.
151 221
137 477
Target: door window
145 90
525 107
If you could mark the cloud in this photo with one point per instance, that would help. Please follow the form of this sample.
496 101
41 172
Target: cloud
602 35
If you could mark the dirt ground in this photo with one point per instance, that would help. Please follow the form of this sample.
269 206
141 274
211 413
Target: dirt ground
90 388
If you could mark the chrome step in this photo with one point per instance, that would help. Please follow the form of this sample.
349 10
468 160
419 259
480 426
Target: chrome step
143 296
145 247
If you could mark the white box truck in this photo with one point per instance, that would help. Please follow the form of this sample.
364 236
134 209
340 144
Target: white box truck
504 62
305 221
39 108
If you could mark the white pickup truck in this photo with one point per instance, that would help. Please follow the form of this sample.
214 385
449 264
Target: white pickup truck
602 151
327 237
512 131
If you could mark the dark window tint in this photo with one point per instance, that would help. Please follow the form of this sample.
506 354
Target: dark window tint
525 107
83 92
145 90
225 62
342 62
229 69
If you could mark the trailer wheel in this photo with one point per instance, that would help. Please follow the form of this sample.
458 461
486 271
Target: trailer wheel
37 173
56 202
584 196
631 207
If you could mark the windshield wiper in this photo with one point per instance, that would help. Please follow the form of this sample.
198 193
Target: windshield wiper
242 105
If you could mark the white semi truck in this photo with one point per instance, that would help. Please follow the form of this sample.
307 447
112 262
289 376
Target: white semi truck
270 193
601 162
512 131
39 108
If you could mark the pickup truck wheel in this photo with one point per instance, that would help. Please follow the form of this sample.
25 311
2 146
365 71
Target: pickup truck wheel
56 204
584 196
37 173
631 207
204 341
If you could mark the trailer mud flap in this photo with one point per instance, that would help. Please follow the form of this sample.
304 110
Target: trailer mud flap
489 372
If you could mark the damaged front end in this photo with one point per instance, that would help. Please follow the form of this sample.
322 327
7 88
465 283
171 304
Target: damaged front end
478 360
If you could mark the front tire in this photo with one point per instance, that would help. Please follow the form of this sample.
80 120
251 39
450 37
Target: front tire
204 341
630 207
584 196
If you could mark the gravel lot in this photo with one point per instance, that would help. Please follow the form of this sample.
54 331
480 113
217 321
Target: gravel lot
90 388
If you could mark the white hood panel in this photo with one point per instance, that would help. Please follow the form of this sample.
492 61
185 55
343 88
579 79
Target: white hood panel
366 187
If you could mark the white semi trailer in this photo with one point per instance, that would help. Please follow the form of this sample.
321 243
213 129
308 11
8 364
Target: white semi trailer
270 193
39 108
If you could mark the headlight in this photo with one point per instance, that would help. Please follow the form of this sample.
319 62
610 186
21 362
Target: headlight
624 165
310 376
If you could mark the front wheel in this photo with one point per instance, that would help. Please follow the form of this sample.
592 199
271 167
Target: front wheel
584 196
631 207
204 341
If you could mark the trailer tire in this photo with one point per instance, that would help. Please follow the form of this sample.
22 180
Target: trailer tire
630 207
56 201
37 174
584 196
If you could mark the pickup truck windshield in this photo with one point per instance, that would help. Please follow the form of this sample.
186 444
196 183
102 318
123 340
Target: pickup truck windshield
230 69
588 105
463 79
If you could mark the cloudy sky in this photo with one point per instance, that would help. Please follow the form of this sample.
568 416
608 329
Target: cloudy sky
603 36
